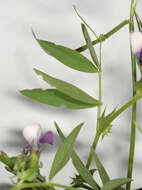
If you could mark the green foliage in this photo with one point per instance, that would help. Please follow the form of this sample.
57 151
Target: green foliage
27 175
89 45
64 94
68 57
5 159
78 181
102 172
64 152
114 183
104 125
83 171
139 21
68 89
85 174
26 168
55 98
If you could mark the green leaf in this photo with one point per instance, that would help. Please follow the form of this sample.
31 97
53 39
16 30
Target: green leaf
68 57
27 175
139 22
64 152
59 132
102 172
82 170
55 98
89 44
5 159
114 183
78 181
69 89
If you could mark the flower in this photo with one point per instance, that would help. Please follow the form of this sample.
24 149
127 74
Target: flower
136 44
33 134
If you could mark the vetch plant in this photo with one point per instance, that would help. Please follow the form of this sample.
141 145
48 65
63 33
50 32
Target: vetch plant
26 166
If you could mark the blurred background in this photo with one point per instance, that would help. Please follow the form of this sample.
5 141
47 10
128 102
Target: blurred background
57 22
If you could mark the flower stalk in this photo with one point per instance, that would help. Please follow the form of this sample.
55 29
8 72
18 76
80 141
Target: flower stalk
132 137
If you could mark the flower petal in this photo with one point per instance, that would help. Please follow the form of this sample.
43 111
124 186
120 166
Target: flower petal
48 137
32 133
136 42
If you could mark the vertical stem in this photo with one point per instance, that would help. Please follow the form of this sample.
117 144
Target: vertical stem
97 136
132 137
93 147
100 85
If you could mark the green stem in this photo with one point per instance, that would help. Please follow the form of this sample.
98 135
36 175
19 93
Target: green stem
105 36
42 184
100 84
108 121
132 137
93 147
124 107
97 136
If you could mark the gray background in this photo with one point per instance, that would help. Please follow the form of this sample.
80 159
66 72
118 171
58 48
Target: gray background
56 21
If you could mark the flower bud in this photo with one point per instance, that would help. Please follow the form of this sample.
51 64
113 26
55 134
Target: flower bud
32 133
136 42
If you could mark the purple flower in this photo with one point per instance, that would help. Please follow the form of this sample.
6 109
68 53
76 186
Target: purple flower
136 43
33 134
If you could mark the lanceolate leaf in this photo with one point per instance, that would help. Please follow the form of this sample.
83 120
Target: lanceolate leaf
82 170
68 57
89 44
64 152
102 172
55 98
114 183
69 89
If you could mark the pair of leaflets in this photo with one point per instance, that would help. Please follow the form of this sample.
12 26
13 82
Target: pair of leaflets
65 93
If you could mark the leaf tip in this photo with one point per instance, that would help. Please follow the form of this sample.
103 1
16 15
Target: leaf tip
21 91
81 124
33 33
55 123
36 71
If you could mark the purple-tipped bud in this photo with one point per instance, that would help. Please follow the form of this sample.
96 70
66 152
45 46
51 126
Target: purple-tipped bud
48 137
136 44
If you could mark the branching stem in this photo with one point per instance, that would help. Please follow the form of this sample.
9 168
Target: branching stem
103 37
